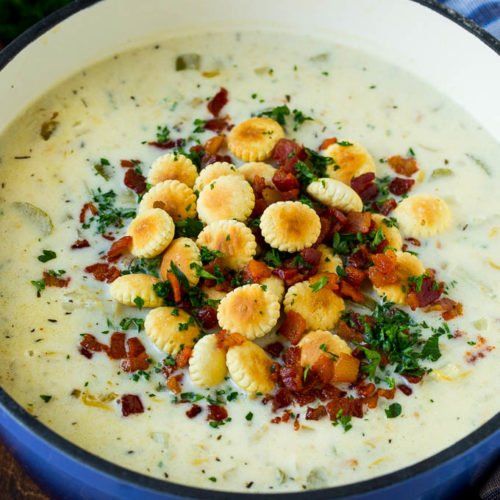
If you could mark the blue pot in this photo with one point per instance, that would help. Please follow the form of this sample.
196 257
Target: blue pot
66 471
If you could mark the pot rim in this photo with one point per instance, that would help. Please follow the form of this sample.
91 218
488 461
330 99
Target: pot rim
138 480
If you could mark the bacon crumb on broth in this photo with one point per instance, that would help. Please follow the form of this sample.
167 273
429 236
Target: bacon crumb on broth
386 191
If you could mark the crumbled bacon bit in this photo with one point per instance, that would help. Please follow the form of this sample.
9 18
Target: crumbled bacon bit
182 357
117 346
91 344
293 327
311 256
327 142
213 144
131 404
480 351
119 247
450 308
217 102
413 241
403 166
429 293
217 413
387 393
413 379
315 413
172 143
256 271
217 125
347 333
384 271
407 391
51 280
287 153
207 316
80 244
354 275
349 406
365 186
274 349
400 186
103 272
358 222
289 275
108 236
193 411
285 181
87 207
349 291
133 364
225 340
135 181
388 206
129 163
173 384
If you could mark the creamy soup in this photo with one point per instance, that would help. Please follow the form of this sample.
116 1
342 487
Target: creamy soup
70 143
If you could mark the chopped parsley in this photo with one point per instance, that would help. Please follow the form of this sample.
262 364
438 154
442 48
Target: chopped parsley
318 285
144 266
190 228
249 416
39 285
108 214
343 420
139 302
208 255
393 410
47 255
128 323
45 397
162 133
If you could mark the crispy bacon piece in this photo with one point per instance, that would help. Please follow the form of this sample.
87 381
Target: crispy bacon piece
360 259
285 181
291 377
384 271
216 413
173 384
90 344
413 379
256 271
51 280
217 102
290 276
117 346
293 327
132 364
358 222
349 406
193 411
429 293
182 357
176 286
407 391
387 393
108 236
134 347
327 142
400 186
87 207
282 399
217 125
135 181
311 256
365 186
171 143
287 153
450 308
225 340
350 292
213 144
80 244
103 272
404 166
207 316
323 368
315 413
388 206
131 404
354 275
129 163
347 333
274 349
119 247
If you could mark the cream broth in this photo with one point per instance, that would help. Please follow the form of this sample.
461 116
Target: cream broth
108 111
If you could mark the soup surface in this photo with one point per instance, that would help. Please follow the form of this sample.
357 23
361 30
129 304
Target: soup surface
71 142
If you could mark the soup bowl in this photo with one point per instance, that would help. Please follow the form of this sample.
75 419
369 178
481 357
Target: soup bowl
438 46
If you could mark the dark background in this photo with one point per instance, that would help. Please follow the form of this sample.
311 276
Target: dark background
18 15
